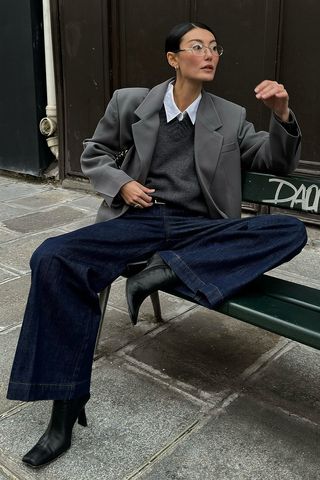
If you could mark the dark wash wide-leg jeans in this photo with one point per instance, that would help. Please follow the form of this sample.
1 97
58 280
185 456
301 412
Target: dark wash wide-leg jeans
212 258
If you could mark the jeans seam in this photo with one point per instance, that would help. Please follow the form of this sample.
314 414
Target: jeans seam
191 274
69 385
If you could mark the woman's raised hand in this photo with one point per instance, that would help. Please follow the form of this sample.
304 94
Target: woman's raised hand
275 97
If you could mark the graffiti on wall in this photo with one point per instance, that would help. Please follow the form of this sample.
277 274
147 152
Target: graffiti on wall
305 197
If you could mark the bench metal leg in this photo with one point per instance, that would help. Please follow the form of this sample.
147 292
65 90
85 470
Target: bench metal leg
156 306
103 300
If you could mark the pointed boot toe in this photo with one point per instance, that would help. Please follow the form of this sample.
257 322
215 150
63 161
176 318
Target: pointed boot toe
135 293
155 276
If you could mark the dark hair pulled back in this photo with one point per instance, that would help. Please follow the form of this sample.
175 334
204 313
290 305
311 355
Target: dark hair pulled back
172 43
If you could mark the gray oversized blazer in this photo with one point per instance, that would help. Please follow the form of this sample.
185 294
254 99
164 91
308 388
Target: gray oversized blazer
224 145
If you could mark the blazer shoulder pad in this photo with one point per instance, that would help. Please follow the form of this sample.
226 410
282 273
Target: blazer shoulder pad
131 93
222 103
128 99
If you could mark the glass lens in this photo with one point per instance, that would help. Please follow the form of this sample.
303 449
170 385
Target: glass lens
200 50
197 49
219 50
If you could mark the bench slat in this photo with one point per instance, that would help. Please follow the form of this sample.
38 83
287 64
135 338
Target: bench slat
293 192
277 305
286 319
289 292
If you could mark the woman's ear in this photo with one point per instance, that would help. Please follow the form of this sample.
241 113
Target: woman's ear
172 60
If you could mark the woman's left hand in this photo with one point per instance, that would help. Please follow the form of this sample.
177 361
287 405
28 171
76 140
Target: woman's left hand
275 97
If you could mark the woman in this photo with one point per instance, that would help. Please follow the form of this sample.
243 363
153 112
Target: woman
176 199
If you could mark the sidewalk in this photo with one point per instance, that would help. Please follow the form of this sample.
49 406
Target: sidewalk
199 397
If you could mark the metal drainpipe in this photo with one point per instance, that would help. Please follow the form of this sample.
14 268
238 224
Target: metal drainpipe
48 125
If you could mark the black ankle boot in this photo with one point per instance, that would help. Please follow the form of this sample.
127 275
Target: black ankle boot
155 276
57 438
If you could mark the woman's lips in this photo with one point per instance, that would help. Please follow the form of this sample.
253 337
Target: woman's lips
208 67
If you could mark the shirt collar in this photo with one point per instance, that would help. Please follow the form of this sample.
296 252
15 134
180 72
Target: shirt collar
172 111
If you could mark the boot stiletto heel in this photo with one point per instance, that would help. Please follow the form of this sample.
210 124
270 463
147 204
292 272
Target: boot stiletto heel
57 438
82 418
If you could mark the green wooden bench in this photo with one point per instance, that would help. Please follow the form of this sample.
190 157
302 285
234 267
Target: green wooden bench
280 306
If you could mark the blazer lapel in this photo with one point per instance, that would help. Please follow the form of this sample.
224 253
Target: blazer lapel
207 146
207 141
145 131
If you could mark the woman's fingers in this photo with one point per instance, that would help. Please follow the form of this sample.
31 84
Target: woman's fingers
136 195
274 96
268 89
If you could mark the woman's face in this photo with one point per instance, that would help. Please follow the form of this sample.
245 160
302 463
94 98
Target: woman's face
191 66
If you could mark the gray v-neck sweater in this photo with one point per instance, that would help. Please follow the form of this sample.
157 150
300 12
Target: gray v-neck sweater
172 172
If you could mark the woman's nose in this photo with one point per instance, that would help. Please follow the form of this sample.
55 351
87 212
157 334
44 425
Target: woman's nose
207 53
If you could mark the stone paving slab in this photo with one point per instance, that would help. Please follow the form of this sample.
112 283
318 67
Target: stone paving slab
8 343
7 235
2 477
91 202
117 331
292 382
5 275
20 189
4 180
306 265
15 255
206 350
13 296
87 220
130 418
314 237
8 212
248 441
46 198
34 222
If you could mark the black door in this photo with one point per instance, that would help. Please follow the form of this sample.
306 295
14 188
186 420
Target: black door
104 45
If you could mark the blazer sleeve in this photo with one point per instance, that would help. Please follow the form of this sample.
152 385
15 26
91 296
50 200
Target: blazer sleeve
98 158
276 152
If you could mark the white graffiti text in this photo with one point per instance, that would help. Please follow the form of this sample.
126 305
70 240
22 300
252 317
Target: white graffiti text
308 198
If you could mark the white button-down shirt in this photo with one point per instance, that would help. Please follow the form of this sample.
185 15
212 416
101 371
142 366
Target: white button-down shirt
172 111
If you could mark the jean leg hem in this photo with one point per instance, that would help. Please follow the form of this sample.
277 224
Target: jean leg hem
32 392
192 281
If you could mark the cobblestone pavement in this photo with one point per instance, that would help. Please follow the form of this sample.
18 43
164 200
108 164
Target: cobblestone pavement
199 396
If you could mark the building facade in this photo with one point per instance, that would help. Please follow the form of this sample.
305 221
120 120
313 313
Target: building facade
101 45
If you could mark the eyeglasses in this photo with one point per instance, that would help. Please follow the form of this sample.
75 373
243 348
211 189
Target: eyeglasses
200 50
